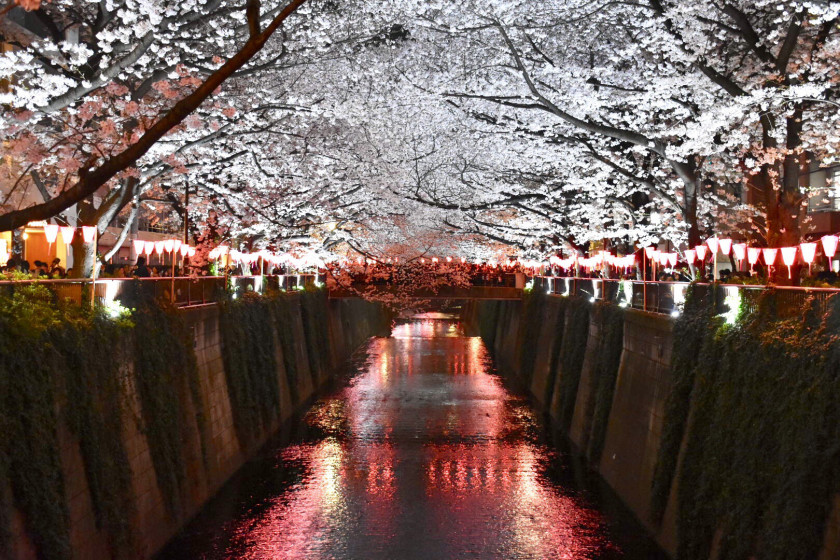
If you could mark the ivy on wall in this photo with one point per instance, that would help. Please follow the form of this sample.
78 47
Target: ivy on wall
29 462
61 358
165 372
693 329
557 329
533 309
65 363
610 321
572 353
94 408
284 310
250 359
314 315
762 447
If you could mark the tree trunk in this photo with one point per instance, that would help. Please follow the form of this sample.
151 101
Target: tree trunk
84 256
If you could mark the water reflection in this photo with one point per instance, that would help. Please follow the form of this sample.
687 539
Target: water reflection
423 454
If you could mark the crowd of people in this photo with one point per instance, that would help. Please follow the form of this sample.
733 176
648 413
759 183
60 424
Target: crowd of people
36 269
16 267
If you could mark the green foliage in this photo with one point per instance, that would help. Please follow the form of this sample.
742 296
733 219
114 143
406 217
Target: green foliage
531 323
94 408
28 417
165 372
610 320
557 330
53 360
250 359
691 331
760 466
284 312
314 315
572 353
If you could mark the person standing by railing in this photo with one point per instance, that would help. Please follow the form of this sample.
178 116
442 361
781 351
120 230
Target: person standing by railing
141 270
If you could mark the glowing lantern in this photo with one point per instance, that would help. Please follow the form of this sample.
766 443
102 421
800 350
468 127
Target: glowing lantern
434 260
138 246
690 255
829 243
51 233
159 247
809 252
712 242
725 245
448 259
672 259
789 257
769 256
739 250
148 247
422 261
463 260
701 252
662 258
168 244
186 249
88 233
67 233
649 252
176 245
191 252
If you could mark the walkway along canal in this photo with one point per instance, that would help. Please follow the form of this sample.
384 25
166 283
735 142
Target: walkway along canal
421 451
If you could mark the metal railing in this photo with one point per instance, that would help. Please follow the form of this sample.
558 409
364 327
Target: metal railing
181 291
668 297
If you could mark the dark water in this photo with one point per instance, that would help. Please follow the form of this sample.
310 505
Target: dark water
423 453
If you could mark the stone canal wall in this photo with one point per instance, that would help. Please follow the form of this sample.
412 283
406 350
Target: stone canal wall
255 362
612 380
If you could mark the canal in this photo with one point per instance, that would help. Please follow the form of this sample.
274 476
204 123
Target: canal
421 451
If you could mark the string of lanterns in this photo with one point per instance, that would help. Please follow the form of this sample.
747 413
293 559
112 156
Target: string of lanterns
741 252
141 247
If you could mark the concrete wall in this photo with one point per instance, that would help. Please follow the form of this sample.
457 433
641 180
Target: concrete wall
153 526
636 417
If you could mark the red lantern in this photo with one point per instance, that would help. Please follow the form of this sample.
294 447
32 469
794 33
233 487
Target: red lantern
769 255
159 247
701 252
725 245
88 233
739 250
809 252
712 242
138 246
829 243
67 233
753 254
672 259
649 251
789 257
51 233
186 249
168 245
148 247
690 255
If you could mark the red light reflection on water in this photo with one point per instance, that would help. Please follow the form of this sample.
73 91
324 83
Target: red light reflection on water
424 455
